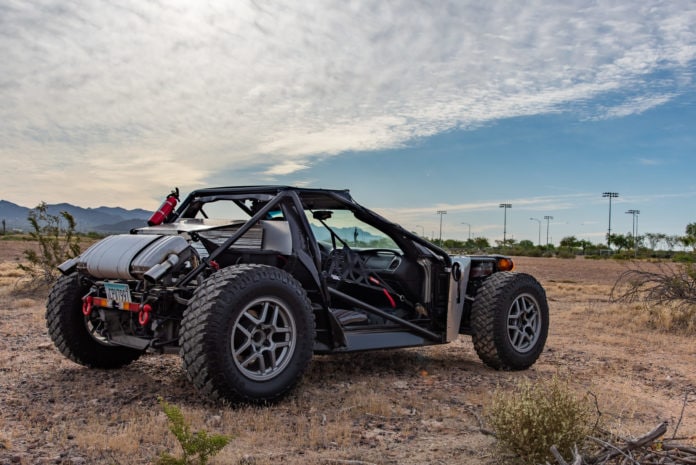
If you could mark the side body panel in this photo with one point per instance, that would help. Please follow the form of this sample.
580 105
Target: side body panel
459 277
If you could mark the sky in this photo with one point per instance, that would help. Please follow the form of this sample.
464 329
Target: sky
415 106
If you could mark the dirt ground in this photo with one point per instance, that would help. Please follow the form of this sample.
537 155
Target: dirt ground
411 406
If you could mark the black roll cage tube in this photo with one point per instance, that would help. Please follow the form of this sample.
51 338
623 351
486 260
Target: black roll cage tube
258 216
314 271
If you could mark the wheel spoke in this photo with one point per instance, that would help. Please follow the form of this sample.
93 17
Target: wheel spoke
515 311
533 320
244 331
264 312
274 316
248 315
244 347
515 335
262 362
529 308
272 357
282 330
250 359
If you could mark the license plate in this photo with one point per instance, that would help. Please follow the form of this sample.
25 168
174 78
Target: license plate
117 292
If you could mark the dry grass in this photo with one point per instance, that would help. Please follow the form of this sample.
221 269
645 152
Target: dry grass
10 276
408 406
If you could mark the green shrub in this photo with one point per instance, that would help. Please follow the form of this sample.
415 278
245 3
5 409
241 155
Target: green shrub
536 252
57 243
684 257
535 416
197 447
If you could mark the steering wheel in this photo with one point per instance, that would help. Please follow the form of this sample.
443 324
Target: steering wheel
347 265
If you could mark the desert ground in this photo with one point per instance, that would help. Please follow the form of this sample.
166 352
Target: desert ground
410 406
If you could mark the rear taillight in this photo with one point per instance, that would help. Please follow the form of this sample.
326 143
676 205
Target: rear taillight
505 264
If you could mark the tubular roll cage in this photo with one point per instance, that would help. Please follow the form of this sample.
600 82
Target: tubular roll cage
284 198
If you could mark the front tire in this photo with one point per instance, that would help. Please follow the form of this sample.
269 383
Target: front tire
510 321
69 330
247 334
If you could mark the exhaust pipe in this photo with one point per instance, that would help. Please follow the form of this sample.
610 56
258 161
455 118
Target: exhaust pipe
68 266
155 273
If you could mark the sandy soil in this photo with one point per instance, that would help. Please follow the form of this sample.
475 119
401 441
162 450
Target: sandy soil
410 406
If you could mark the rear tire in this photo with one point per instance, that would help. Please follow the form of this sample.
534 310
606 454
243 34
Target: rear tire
247 334
510 321
69 331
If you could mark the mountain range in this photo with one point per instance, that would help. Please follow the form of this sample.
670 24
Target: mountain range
100 220
115 220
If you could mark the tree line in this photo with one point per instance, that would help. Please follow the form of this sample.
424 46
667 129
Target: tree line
644 245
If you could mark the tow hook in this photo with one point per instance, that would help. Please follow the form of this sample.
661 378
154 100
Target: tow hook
87 305
144 315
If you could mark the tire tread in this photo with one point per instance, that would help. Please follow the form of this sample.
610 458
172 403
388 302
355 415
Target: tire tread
199 330
67 329
490 341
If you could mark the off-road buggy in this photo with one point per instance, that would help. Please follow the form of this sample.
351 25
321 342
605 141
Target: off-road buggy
246 302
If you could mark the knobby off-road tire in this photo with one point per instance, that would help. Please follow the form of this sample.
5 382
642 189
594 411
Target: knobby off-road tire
510 321
70 332
247 334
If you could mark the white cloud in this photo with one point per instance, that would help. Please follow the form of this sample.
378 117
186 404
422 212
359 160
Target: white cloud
285 168
634 106
153 92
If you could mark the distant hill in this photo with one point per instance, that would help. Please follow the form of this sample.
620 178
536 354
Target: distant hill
347 234
101 219
109 220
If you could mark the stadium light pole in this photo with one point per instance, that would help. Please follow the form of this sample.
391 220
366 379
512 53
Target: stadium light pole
634 231
611 195
441 213
469 229
548 219
505 206
538 221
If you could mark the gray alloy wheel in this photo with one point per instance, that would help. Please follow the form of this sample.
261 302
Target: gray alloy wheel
524 323
247 334
263 339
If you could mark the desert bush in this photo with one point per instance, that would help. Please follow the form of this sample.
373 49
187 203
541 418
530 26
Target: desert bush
535 416
57 243
677 319
565 254
197 447
536 252
684 257
668 295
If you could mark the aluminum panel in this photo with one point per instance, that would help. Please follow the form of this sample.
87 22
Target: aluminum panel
111 257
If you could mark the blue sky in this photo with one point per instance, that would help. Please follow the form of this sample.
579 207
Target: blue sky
414 106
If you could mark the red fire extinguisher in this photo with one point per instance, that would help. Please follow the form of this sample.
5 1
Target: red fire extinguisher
165 209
